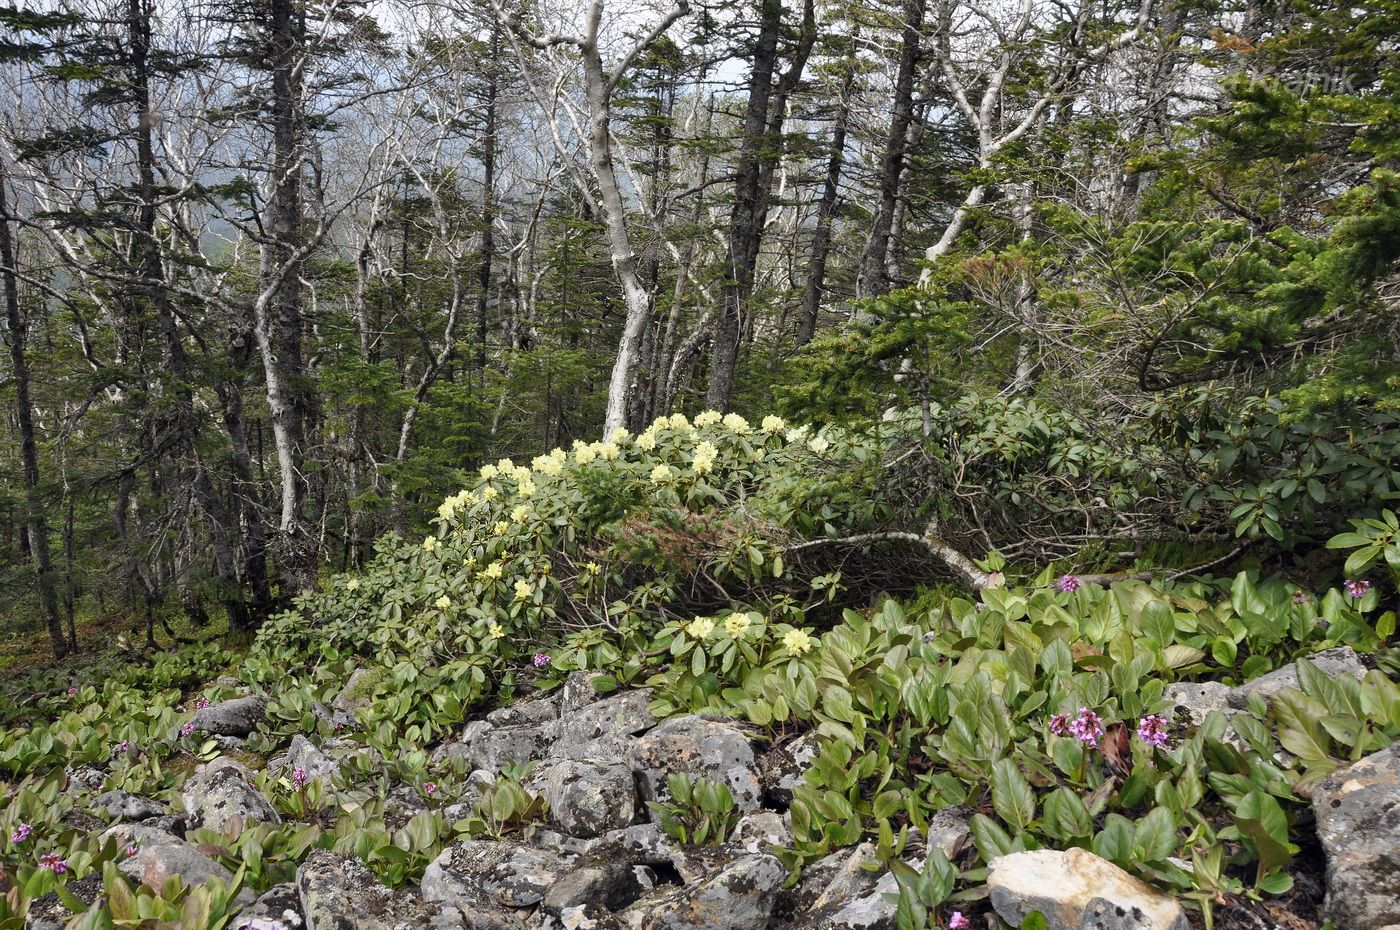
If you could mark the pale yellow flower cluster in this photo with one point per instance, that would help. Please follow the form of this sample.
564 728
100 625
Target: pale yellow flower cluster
772 424
443 602
705 454
523 590
430 544
736 625
552 463
797 642
700 627
735 423
661 474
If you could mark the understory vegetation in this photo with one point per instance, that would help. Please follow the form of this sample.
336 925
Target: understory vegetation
731 568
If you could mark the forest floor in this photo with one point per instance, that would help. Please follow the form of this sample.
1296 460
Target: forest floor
26 647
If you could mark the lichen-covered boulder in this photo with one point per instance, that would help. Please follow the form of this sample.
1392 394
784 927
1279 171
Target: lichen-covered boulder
701 748
237 717
503 874
525 713
1077 890
278 906
222 790
587 799
154 856
342 894
622 714
125 807
1358 822
484 746
1334 663
47 912
738 896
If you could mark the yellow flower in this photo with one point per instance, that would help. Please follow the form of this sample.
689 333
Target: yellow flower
502 527
705 454
819 445
678 421
448 507
737 625
593 568
352 585
496 631
520 513
488 472
471 561
647 441
607 451
493 571
797 434
551 464
523 590
708 418
756 454
489 493
797 642
430 543
506 466
525 488
584 452
735 423
661 474
772 424
700 627
443 602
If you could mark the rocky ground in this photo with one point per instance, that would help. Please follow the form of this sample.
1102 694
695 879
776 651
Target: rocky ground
602 861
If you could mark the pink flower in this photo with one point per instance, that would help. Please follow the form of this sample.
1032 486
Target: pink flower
299 776
1301 597
53 862
1087 726
429 787
21 833
1059 724
131 850
1152 730
73 691
121 747
1357 588
201 703
1068 583
541 660
958 921
187 729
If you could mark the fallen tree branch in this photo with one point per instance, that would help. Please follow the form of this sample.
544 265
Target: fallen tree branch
1165 574
956 562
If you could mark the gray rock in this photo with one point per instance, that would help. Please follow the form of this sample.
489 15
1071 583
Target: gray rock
221 791
156 856
739 896
643 843
84 778
1358 822
47 912
829 883
304 755
1333 663
577 691
761 830
785 767
700 748
948 830
237 718
587 799
607 884
505 874
1076 890
1192 701
357 692
492 748
623 714
525 713
279 908
342 894
125 807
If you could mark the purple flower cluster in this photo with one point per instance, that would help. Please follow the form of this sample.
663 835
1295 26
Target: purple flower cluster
1087 726
1059 724
429 788
54 863
299 777
1357 587
121 747
541 660
73 691
1152 730
201 703
187 729
958 921
1069 583
21 833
